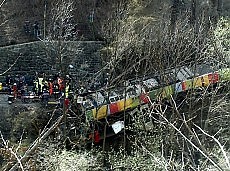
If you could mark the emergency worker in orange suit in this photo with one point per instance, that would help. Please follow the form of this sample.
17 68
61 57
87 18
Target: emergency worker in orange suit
61 84
50 87
15 90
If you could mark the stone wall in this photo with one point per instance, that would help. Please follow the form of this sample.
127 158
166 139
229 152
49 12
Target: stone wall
33 57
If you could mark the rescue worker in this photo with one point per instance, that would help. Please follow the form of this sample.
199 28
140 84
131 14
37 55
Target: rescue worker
27 27
40 85
9 80
15 90
9 88
36 86
67 101
45 96
60 84
67 90
36 29
50 87
55 89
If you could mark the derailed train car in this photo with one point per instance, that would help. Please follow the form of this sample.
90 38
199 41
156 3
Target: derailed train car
101 106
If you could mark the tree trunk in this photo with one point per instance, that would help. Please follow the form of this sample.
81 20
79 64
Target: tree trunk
193 17
174 14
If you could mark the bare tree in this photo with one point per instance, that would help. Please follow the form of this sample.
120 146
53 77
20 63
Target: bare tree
62 30
146 45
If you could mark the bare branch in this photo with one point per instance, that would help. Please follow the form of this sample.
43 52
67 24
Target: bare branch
34 145
10 66
219 144
161 113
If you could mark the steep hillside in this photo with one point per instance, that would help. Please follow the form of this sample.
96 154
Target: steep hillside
89 15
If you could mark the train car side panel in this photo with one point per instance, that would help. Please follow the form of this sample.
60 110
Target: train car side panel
136 102
113 107
178 87
167 91
213 77
205 80
187 84
100 112
197 82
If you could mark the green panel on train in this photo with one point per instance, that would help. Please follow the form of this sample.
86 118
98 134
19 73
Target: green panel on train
167 91
153 94
136 102
89 114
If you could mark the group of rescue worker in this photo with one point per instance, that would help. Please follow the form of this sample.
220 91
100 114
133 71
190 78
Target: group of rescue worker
40 85
52 88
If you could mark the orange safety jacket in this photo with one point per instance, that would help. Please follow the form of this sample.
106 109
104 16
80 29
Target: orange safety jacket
50 88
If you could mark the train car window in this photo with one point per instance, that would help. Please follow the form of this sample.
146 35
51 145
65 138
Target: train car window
80 99
138 89
87 104
112 93
172 78
133 93
180 76
188 71
117 98
150 83
112 99
186 75
122 96
93 101
100 98
157 78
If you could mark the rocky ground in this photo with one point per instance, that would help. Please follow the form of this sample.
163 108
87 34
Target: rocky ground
15 117
3 100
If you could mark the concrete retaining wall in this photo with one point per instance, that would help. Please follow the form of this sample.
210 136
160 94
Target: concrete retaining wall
38 56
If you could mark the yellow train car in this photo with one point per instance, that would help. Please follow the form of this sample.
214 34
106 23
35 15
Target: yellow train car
206 82
100 112
125 104
167 91
197 82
